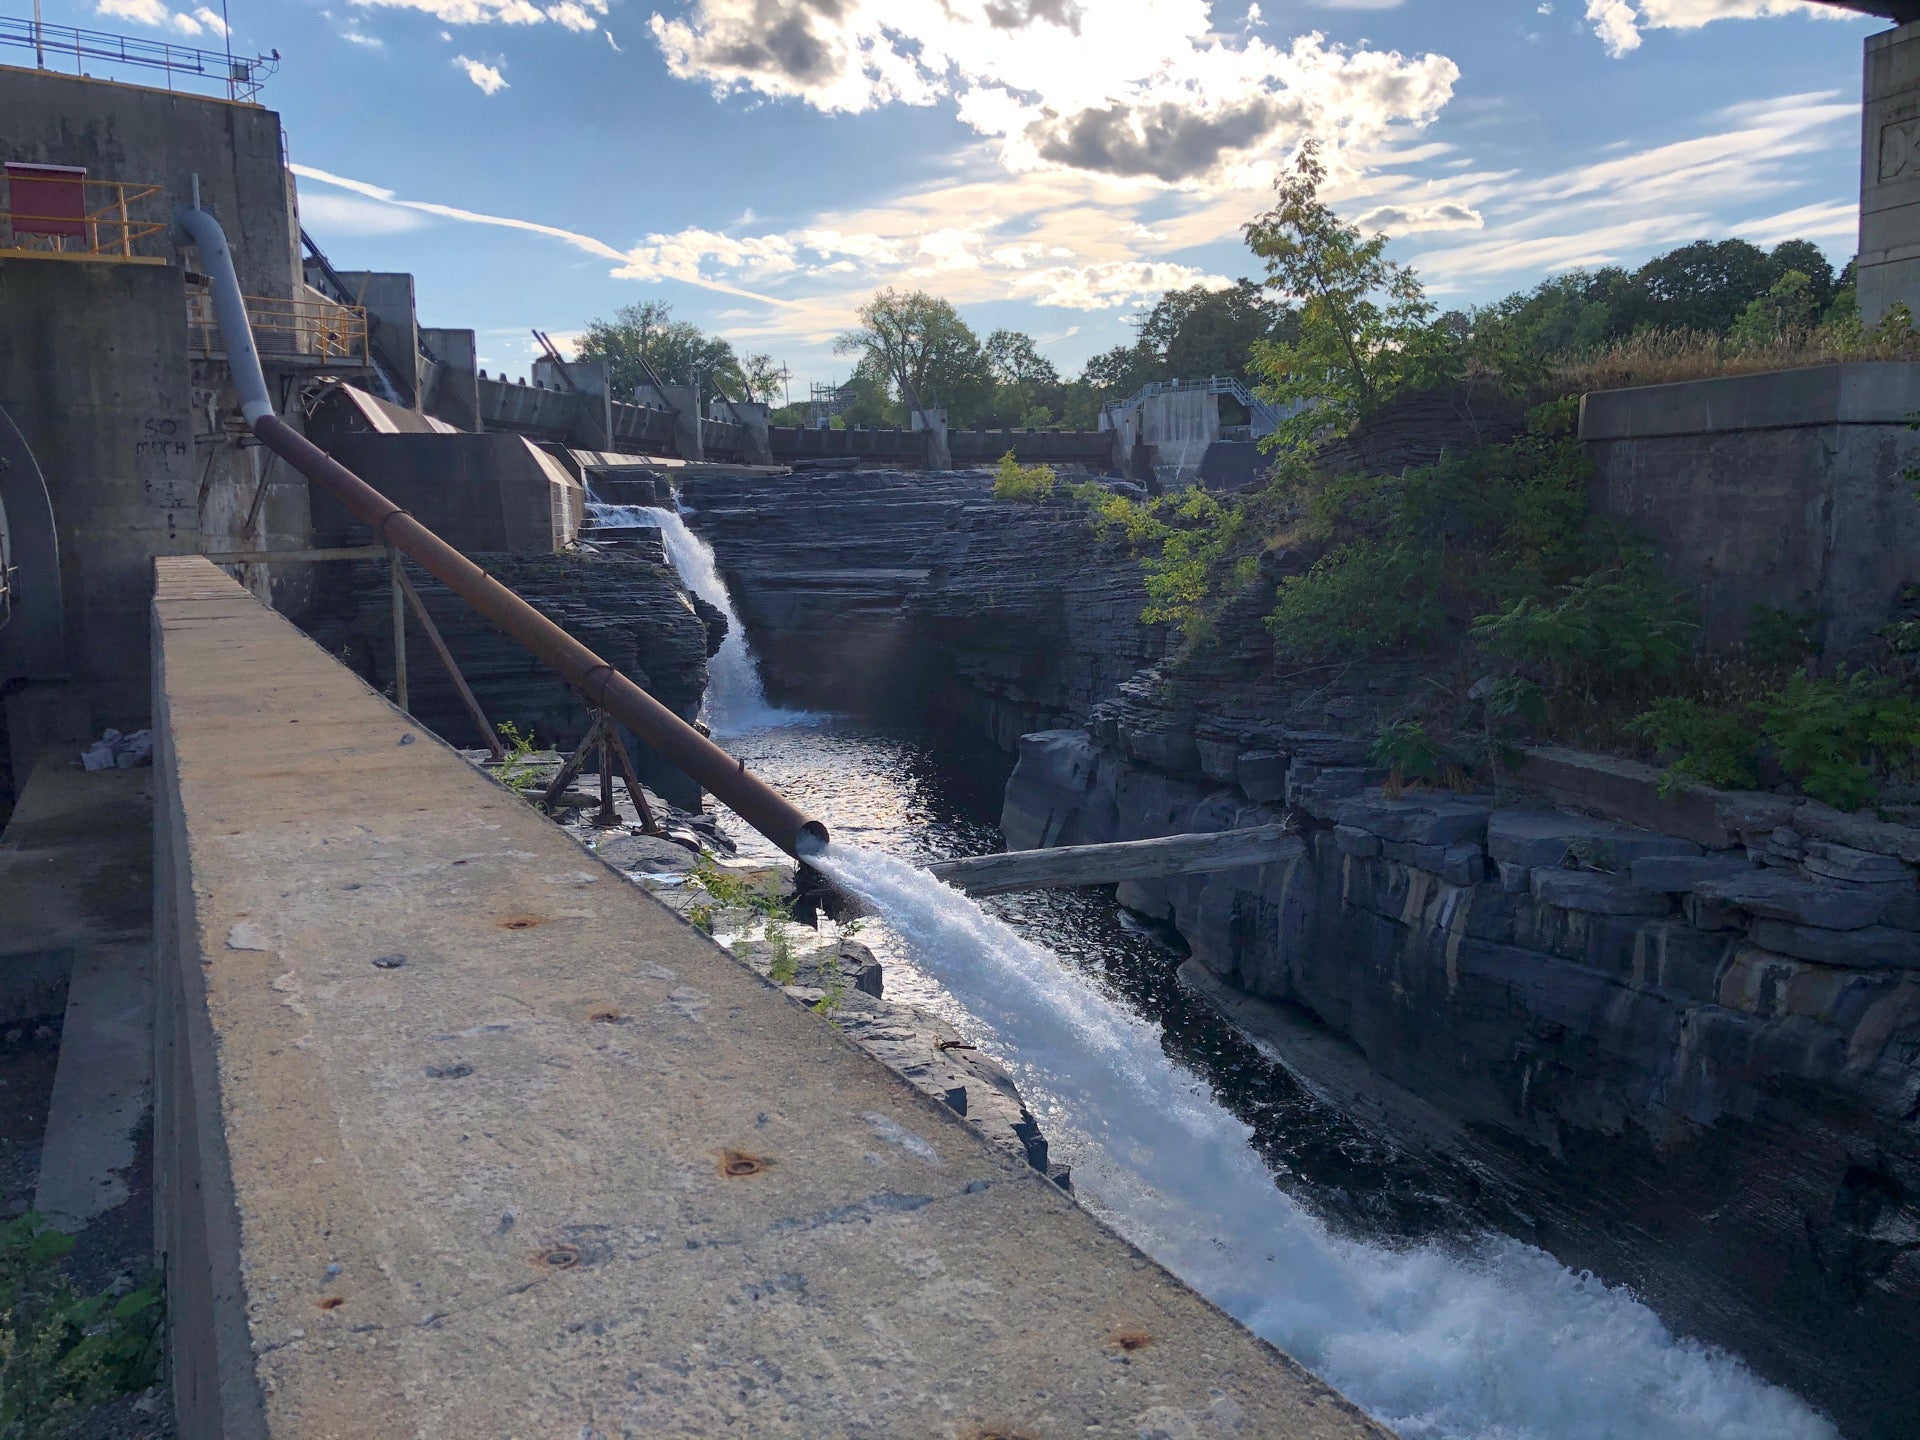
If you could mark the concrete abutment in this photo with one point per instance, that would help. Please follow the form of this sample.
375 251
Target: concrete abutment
414 1180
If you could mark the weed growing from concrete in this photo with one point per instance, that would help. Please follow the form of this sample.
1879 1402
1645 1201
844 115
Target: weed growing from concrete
516 771
61 1351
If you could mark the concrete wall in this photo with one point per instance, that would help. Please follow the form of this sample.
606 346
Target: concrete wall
1889 260
94 372
452 1121
494 492
136 134
1782 490
127 132
392 324
452 390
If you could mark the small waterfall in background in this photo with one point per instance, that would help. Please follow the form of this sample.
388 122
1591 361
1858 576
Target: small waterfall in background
1497 1341
736 700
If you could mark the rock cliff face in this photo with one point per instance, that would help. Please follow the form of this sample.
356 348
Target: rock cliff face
868 589
1698 1016
630 608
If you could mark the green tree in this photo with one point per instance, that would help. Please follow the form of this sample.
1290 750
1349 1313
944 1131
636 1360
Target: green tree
1363 328
1197 332
1026 384
646 335
1702 286
1115 374
928 354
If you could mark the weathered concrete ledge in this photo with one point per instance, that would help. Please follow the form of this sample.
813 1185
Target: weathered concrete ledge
460 1135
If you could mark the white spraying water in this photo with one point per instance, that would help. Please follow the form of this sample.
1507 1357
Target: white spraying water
736 700
1499 1343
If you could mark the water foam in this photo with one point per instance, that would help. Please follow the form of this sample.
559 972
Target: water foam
1498 1342
736 700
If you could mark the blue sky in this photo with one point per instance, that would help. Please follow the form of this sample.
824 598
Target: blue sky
764 165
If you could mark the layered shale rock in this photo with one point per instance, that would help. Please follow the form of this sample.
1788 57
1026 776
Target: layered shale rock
866 588
631 610
1695 1014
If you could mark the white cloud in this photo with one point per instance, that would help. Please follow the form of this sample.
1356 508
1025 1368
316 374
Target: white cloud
1618 23
1103 286
199 21
1637 201
489 79
1144 89
370 42
1831 220
572 14
1410 219
353 215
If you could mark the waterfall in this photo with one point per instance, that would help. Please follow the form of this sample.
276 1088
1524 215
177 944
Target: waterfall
1493 1342
736 700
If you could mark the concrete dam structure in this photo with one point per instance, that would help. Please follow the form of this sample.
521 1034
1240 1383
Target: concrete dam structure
506 925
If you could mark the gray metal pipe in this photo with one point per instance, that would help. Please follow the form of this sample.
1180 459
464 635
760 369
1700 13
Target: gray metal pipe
604 687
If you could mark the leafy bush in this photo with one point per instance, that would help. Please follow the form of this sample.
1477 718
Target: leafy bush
61 1351
1410 559
1014 481
1702 742
1834 738
1622 624
1838 740
1406 752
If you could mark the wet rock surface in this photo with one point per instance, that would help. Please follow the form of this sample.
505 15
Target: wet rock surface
1690 1022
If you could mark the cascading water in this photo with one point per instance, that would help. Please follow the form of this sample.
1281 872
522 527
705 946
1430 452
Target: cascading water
736 700
1494 1341
1497 1342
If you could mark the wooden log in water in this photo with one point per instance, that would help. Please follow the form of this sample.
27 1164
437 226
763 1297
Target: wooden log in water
1123 860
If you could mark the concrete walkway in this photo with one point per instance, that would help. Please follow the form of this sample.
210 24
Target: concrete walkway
461 1135
76 919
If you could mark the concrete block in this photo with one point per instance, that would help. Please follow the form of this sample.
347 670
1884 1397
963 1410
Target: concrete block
1262 775
1350 840
1595 893
1422 820
1549 837
1217 758
1514 878
1831 861
1777 895
1871 947
1677 874
1463 864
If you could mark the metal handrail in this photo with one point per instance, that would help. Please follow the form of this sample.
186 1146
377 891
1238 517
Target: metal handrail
243 75
111 228
316 327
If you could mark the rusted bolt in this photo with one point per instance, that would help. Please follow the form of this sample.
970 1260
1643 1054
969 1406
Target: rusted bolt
1130 1340
737 1164
331 1302
522 922
555 1257
606 1017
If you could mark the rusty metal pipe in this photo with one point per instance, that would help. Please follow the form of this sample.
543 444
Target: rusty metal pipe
603 687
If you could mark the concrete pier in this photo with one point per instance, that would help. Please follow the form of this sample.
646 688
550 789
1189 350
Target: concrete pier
460 1134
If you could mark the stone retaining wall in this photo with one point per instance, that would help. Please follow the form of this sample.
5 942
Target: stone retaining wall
1722 1015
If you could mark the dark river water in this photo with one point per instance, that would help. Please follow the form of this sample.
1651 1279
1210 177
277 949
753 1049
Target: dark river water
1398 1280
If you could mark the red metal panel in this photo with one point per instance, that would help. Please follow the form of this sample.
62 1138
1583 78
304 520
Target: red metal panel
47 199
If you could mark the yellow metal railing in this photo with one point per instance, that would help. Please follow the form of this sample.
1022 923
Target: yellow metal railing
311 327
101 220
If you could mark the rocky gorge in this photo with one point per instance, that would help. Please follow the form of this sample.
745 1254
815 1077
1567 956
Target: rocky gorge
1680 1027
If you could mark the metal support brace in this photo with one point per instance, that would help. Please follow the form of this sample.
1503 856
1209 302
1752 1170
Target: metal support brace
439 643
399 629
